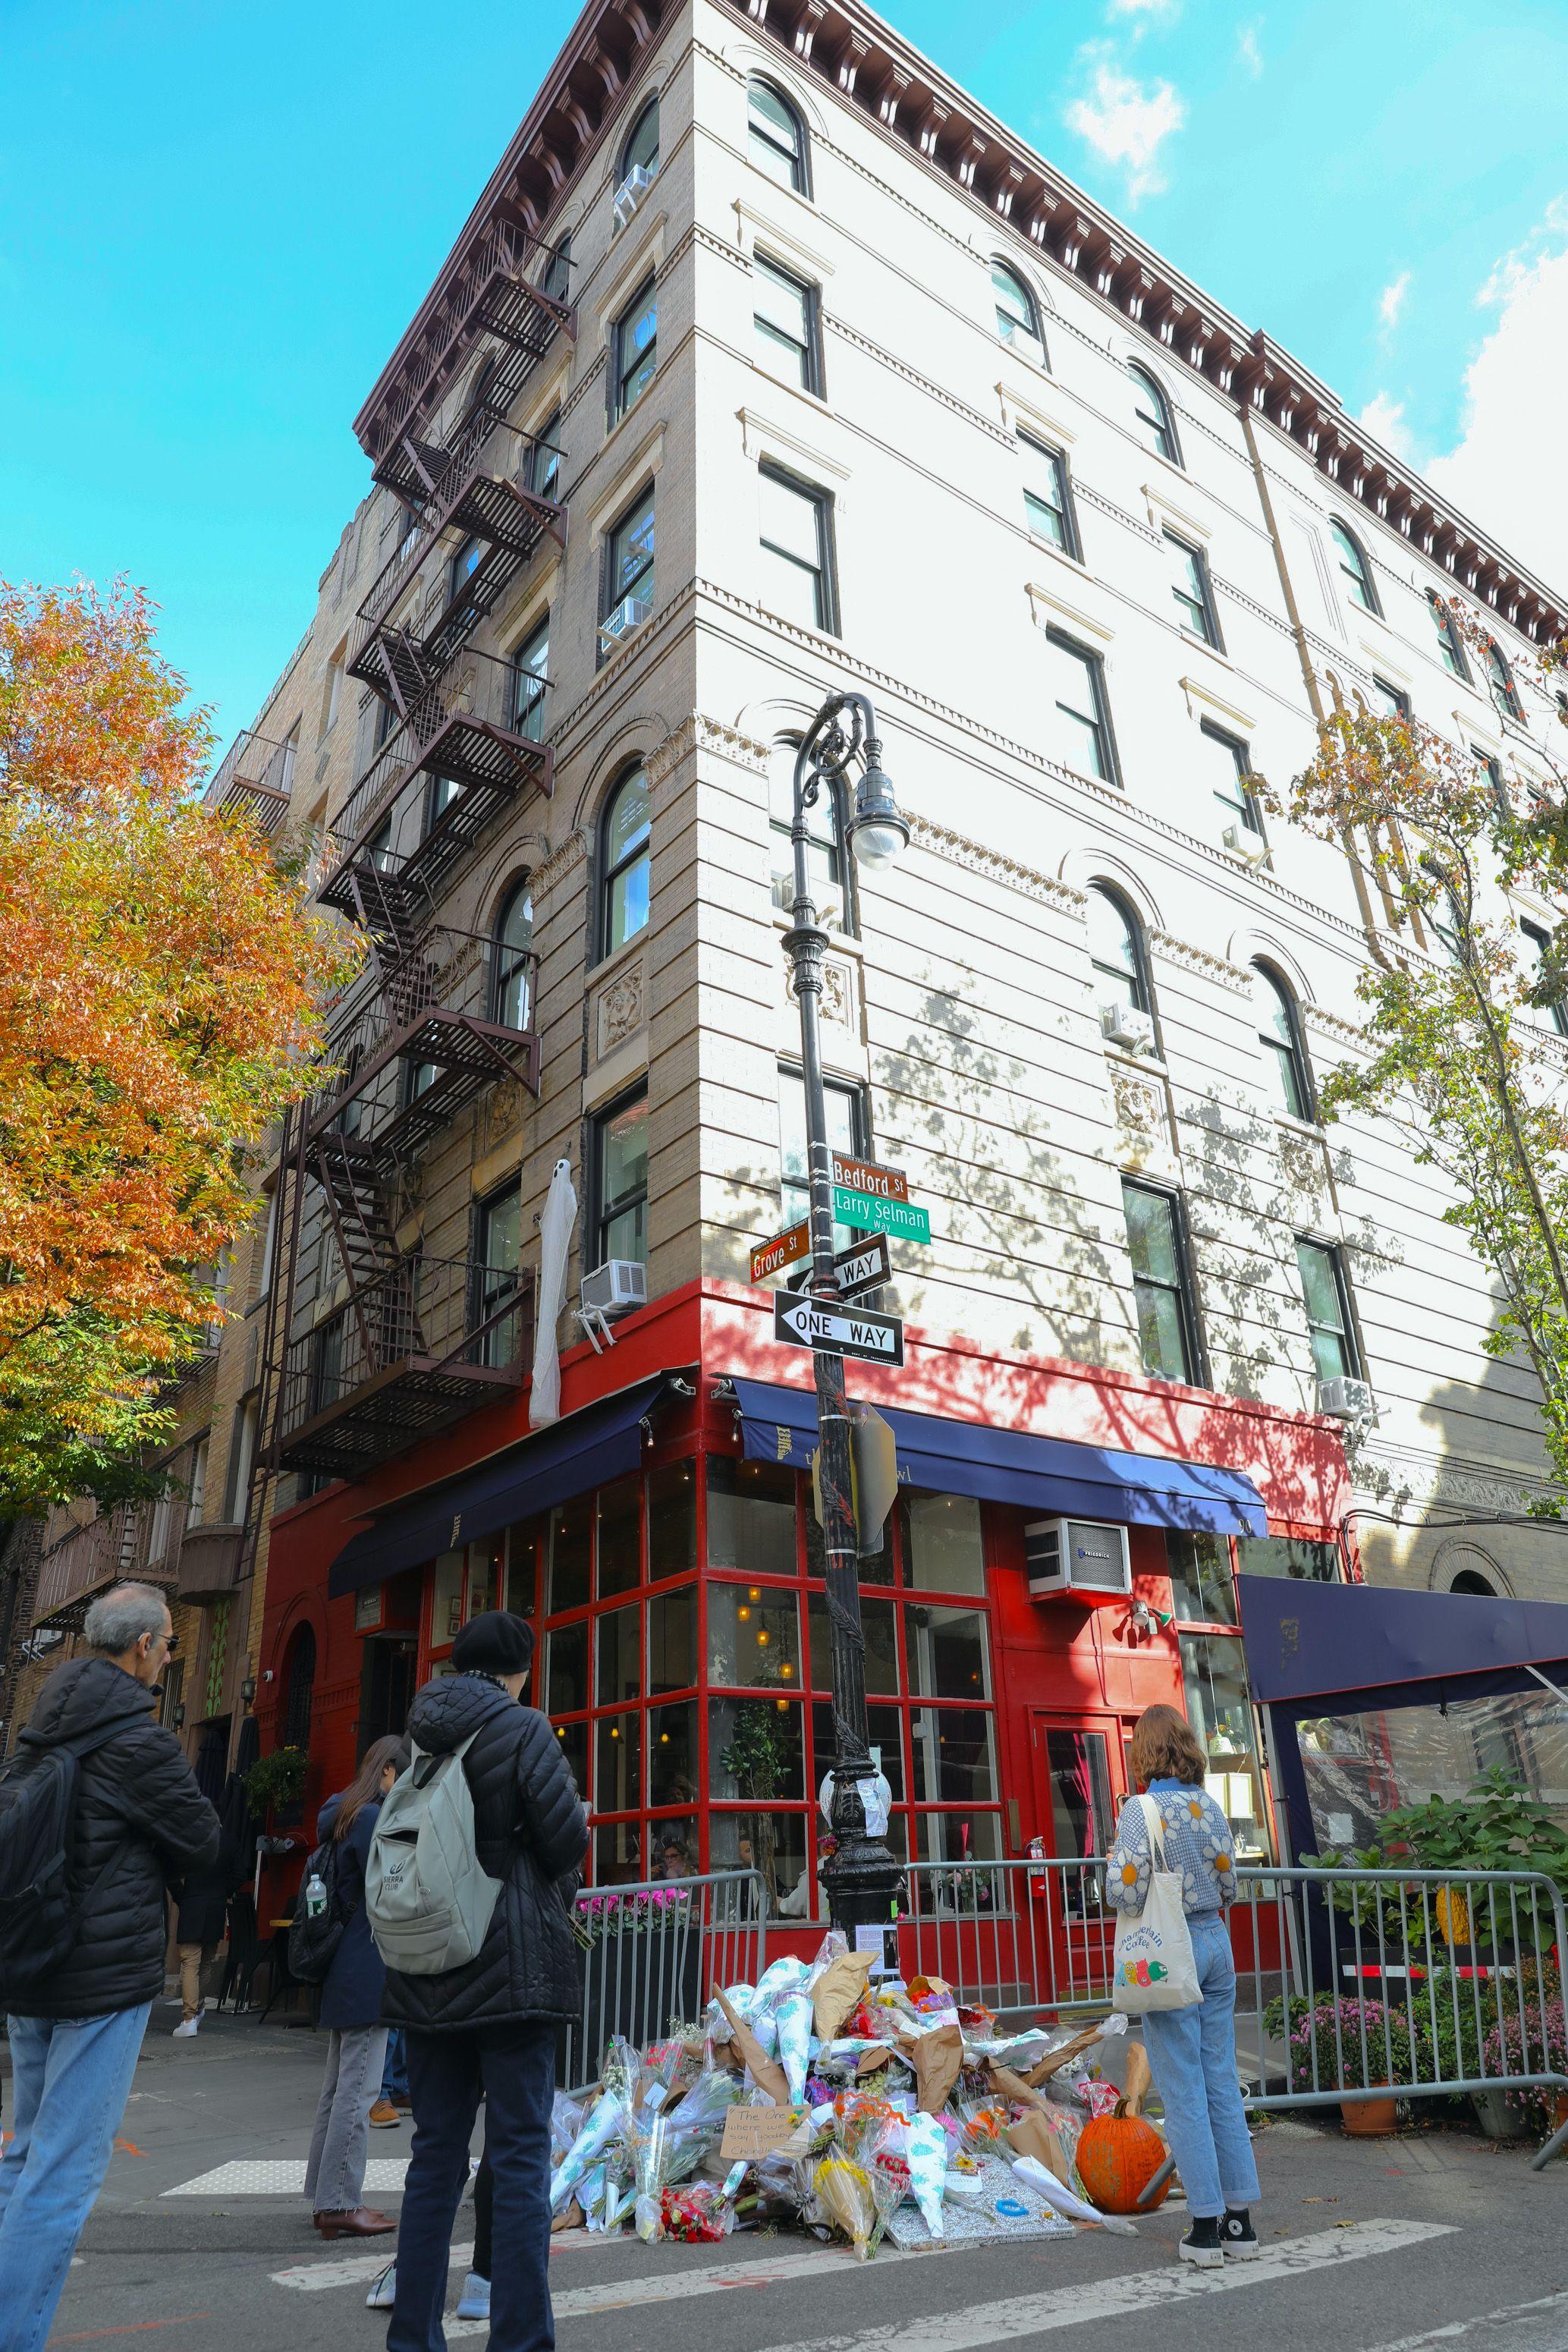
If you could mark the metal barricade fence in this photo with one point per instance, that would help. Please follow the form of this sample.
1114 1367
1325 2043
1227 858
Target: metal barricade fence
655 1951
1351 1985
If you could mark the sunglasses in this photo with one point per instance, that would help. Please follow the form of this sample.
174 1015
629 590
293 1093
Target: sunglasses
171 1643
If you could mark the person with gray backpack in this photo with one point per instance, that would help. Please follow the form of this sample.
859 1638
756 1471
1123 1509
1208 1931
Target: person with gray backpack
468 1891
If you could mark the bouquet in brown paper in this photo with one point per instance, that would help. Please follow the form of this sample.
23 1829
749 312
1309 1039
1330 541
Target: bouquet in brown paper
936 2059
838 1991
765 2072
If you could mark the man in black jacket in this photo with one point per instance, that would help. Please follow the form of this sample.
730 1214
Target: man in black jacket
140 1821
489 2027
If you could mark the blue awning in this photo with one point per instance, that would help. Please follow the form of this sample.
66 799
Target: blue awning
1316 1642
1049 1475
602 1442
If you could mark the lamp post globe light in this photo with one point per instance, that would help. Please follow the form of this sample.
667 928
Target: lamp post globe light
862 1879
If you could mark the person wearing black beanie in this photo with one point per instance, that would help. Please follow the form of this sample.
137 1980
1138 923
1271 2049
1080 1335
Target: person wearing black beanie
487 2029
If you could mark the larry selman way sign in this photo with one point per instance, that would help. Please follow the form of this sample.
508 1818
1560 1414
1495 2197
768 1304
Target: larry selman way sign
836 1330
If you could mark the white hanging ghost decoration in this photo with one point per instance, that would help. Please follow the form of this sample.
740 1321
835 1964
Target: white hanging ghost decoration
559 1216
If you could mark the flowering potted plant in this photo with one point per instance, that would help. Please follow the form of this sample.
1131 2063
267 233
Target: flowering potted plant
1345 2045
1535 2044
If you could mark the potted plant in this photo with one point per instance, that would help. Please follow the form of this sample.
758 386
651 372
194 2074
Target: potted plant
1345 2045
1535 2042
275 1783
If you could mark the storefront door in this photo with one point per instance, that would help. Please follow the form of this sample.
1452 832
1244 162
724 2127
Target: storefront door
1080 1781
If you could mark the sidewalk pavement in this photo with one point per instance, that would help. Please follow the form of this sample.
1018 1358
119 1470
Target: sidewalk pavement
1368 2246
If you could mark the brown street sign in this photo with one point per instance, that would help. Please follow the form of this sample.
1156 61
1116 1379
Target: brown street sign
781 1251
867 1176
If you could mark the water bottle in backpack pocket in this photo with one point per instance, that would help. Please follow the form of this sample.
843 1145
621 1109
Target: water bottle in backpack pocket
429 1900
321 1912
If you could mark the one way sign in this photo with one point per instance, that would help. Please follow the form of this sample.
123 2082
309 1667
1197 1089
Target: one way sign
836 1330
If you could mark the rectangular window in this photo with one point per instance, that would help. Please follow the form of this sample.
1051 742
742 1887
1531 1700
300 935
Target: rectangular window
1389 702
1162 1284
1327 1298
629 572
1191 589
500 1238
1075 681
1539 944
242 1454
1203 1590
824 856
846 1128
1491 769
1316 1563
533 681
796 539
636 349
621 1179
1219 1709
196 1485
784 315
1231 765
1046 498
544 459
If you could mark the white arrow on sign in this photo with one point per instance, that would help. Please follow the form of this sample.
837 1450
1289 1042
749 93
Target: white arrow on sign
836 1330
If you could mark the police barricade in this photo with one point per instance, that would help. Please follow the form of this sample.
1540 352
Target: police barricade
652 1953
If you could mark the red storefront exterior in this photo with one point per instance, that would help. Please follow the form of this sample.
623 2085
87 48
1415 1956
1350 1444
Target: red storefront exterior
682 1630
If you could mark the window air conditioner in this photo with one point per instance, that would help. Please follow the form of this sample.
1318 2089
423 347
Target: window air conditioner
615 1287
1346 1400
1243 842
1080 1560
629 614
1129 1026
630 192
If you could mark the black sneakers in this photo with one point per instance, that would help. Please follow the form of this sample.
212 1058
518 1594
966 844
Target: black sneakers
1202 2244
1237 2236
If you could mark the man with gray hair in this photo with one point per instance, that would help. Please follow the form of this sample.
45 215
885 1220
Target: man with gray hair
137 1822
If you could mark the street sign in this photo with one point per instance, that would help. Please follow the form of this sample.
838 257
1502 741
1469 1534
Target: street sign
873 1476
870 1176
898 1217
865 1267
782 1250
836 1330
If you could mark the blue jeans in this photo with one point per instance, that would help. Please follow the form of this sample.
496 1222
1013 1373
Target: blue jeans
70 2078
513 2069
1192 2055
394 2074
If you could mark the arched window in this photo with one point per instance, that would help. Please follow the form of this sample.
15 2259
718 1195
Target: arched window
1505 694
512 987
1116 951
641 152
298 1689
1354 569
776 137
1471 1580
1018 319
624 862
1280 1034
1449 644
1153 411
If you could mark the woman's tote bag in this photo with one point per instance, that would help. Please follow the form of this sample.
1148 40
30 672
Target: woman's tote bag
1153 1966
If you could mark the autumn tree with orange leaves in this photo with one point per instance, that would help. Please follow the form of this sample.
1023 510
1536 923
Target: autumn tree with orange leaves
160 977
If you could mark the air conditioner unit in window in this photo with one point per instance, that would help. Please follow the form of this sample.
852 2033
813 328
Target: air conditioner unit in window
1077 1559
1343 1398
1243 842
615 1287
1128 1026
630 192
629 614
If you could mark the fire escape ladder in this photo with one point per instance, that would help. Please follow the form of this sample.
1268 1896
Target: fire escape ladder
381 1278
276 1317
393 918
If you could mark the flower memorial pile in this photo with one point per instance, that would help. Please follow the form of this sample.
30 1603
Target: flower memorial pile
817 2099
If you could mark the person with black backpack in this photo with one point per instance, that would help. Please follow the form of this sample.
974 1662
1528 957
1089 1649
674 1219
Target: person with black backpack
99 1815
331 1946
470 1889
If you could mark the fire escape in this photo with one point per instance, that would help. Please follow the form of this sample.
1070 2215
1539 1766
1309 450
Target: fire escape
405 1341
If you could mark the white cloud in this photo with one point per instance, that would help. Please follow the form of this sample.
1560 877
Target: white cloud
1384 420
1247 50
1142 8
1391 301
1127 121
1505 471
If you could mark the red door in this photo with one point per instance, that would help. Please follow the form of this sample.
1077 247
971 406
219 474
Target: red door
1079 1785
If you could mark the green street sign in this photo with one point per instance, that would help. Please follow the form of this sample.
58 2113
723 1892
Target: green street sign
900 1218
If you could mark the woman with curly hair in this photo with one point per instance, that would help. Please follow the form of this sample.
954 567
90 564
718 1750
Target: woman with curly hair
1192 2051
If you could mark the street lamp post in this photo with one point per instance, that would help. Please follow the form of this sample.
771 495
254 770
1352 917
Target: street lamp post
863 1878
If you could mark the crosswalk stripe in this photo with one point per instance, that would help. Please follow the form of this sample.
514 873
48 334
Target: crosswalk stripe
312 2277
1133 2291
713 2278
1541 2326
281 2176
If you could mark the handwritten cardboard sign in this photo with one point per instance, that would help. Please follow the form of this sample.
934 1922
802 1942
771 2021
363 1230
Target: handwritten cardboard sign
752 2132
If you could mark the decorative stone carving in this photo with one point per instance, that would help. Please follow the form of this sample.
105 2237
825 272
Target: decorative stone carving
1201 960
1396 1476
559 864
837 1000
1304 1171
1323 1024
500 1113
1142 1109
700 733
941 843
620 1008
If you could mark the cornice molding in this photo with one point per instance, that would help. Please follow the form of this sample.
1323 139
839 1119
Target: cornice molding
1207 966
701 733
559 863
1324 1024
939 841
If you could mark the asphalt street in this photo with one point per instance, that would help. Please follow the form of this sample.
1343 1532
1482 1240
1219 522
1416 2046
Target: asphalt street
1432 2239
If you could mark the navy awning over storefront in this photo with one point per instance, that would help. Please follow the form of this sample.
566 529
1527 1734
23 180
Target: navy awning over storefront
1049 1475
1317 1643
602 1442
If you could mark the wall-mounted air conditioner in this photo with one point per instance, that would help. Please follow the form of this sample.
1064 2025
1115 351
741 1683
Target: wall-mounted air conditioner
1077 1559
630 192
615 1287
1129 1026
1346 1400
1243 842
629 614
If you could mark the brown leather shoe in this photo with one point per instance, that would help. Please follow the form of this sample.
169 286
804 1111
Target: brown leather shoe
384 2116
361 2221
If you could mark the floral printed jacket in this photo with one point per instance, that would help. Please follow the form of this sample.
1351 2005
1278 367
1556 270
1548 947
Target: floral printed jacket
1198 1844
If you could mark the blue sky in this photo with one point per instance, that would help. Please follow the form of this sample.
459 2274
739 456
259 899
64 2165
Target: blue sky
214 222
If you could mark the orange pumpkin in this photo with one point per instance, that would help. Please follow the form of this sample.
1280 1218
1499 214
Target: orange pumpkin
1119 2154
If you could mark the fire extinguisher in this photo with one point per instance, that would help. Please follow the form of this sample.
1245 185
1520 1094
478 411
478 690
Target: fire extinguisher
1038 1880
